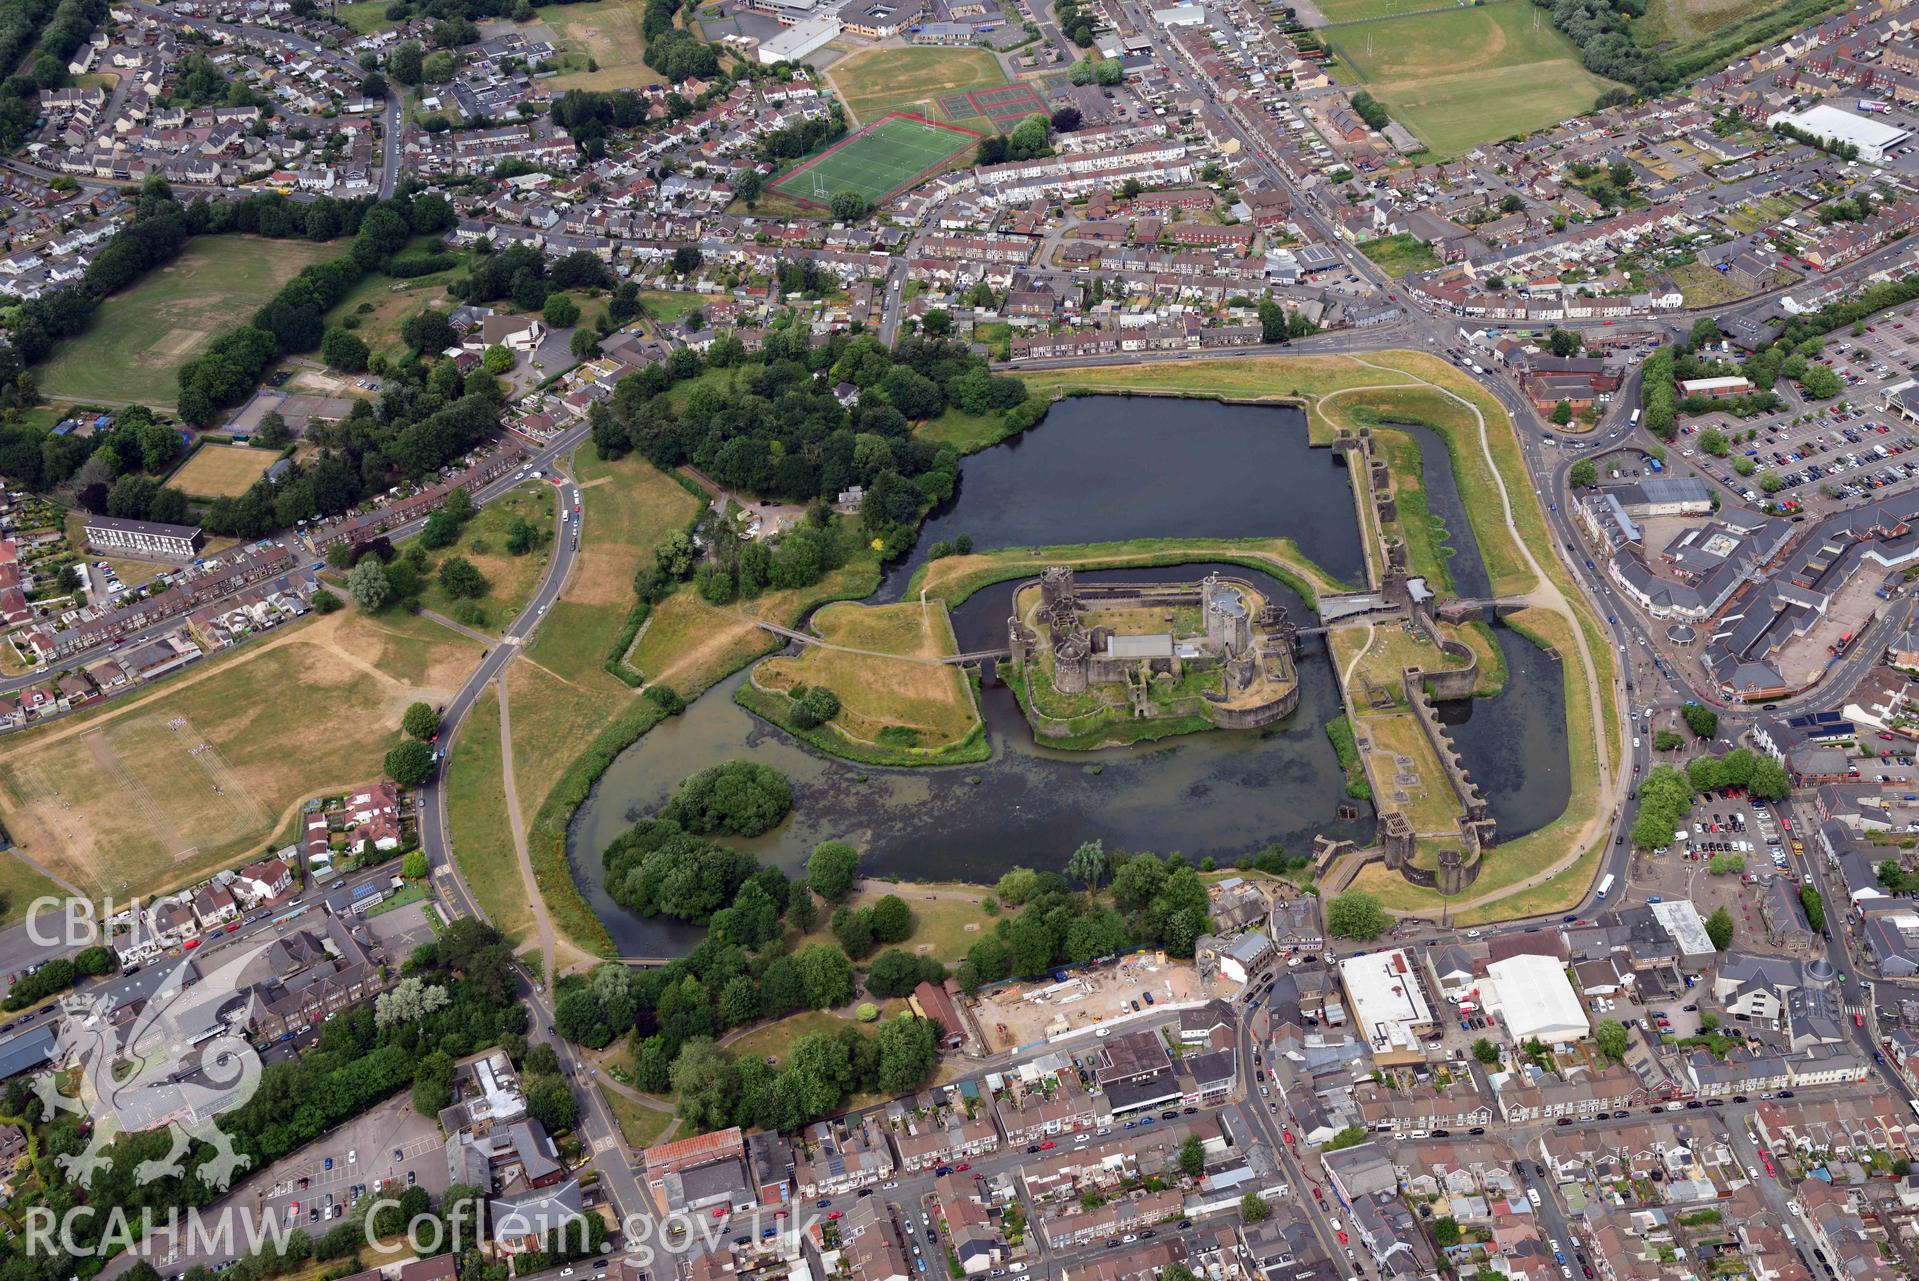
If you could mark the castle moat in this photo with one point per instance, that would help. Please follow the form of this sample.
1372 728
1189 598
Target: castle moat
1218 793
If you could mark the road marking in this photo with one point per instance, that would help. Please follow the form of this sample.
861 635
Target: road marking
605 1143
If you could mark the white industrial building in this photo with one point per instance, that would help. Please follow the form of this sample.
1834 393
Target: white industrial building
798 40
1874 138
1537 1000
1389 1005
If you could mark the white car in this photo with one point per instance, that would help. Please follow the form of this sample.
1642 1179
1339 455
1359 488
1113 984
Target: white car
1016 1267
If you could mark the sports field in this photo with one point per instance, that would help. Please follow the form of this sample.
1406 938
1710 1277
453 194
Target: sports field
914 80
153 790
609 33
141 335
222 471
877 161
1466 76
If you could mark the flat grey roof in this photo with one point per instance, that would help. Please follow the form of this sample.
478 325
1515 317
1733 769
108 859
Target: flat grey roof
1158 645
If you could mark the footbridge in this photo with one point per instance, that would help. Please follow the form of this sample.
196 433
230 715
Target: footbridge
944 660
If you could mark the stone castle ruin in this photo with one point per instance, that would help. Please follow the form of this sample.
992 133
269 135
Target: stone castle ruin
1119 642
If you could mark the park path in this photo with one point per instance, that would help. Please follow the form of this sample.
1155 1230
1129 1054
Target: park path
1544 595
541 921
461 628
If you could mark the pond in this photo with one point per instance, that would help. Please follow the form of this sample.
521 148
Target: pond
1104 468
1097 469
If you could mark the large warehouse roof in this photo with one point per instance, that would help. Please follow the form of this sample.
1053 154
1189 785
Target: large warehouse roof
1537 999
1872 137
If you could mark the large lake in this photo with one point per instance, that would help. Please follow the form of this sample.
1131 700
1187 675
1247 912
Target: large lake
1097 469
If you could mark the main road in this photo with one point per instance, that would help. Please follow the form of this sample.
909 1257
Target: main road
598 1127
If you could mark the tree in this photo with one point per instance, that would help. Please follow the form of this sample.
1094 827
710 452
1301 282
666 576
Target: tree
409 763
433 1083
831 870
896 972
406 62
1610 1037
814 708
1814 905
826 976
496 359
1109 71
1667 740
1702 720
1584 474
1272 322
1485 1051
853 931
1253 1208
560 312
1192 1157
420 721
707 1083
1563 412
1016 885
1821 383
1445 1232
737 798
1088 864
1564 342
892 920
461 578
368 586
1719 928
1356 915
849 206
414 866
343 350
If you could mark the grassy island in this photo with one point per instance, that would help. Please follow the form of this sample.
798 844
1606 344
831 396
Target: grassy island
898 704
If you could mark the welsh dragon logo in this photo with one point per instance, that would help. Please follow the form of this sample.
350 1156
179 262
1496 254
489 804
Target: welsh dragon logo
182 1061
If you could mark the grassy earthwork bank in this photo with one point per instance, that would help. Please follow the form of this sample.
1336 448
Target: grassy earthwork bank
152 791
954 578
134 348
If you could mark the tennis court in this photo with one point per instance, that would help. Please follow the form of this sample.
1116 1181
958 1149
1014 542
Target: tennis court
1008 106
885 157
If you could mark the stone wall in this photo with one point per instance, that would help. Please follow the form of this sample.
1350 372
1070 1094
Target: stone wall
1471 802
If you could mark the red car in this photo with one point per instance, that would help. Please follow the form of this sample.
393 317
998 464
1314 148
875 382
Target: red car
1342 1238
1858 1020
1048 1145
963 1165
837 1214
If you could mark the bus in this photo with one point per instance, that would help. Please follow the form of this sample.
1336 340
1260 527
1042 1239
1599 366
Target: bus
1605 885
1635 419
